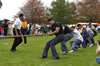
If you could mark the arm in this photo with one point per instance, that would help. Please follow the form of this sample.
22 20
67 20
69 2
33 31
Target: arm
16 30
55 32
98 50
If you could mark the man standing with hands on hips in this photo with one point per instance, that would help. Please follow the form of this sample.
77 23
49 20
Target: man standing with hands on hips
16 31
56 29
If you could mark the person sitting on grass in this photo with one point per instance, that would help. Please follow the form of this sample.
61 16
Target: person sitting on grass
78 39
98 52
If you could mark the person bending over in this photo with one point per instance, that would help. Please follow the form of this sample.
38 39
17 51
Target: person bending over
58 31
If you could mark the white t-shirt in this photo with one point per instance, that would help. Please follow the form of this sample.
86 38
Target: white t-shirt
92 27
77 35
18 23
89 30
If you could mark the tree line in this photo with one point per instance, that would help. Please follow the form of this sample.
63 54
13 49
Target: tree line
62 11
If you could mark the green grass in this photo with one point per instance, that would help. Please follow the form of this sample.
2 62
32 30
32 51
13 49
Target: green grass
30 55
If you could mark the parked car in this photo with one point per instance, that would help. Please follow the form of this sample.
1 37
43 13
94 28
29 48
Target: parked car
98 28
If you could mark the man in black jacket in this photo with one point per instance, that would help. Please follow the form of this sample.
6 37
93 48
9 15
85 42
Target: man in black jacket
56 29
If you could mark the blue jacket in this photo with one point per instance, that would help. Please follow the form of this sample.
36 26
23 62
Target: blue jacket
84 33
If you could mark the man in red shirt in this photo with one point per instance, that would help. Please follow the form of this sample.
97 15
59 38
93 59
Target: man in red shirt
0 30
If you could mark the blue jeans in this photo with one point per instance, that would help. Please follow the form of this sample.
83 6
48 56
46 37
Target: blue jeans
51 44
24 32
98 60
90 39
63 43
75 43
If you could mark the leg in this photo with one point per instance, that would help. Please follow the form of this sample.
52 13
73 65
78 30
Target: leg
19 41
89 40
46 49
14 44
75 43
64 47
63 43
53 43
25 38
84 43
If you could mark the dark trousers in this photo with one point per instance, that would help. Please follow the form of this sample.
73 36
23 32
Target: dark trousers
17 40
84 44
5 32
52 44
24 32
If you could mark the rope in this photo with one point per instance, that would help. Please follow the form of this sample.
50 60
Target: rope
24 36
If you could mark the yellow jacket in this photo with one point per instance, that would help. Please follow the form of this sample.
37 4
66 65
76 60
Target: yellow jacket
24 24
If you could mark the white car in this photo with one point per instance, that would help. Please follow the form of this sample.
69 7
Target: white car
98 28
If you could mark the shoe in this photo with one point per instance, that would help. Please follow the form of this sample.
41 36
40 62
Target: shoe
71 51
65 52
56 58
91 45
77 46
25 44
44 57
13 50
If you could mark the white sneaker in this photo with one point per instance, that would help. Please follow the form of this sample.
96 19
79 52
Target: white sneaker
65 52
71 51
91 45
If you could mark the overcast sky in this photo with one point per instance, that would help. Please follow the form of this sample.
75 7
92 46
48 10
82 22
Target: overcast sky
11 7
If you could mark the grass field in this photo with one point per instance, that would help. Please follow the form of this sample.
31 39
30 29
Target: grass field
29 55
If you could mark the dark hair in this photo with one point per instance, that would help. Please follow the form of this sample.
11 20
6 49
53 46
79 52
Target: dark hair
73 27
21 15
6 20
50 19
78 25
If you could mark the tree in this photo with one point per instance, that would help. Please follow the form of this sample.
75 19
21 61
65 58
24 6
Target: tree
34 12
0 4
61 11
88 11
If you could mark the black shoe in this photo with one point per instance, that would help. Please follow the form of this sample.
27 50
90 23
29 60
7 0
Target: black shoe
44 57
13 50
56 58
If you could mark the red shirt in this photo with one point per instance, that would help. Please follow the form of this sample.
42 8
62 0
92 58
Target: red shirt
1 30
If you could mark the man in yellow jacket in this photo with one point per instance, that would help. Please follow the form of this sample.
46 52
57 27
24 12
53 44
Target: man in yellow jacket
24 29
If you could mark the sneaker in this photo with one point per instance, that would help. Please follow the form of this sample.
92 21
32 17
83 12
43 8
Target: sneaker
44 57
91 45
77 46
65 52
71 51
56 58
13 50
